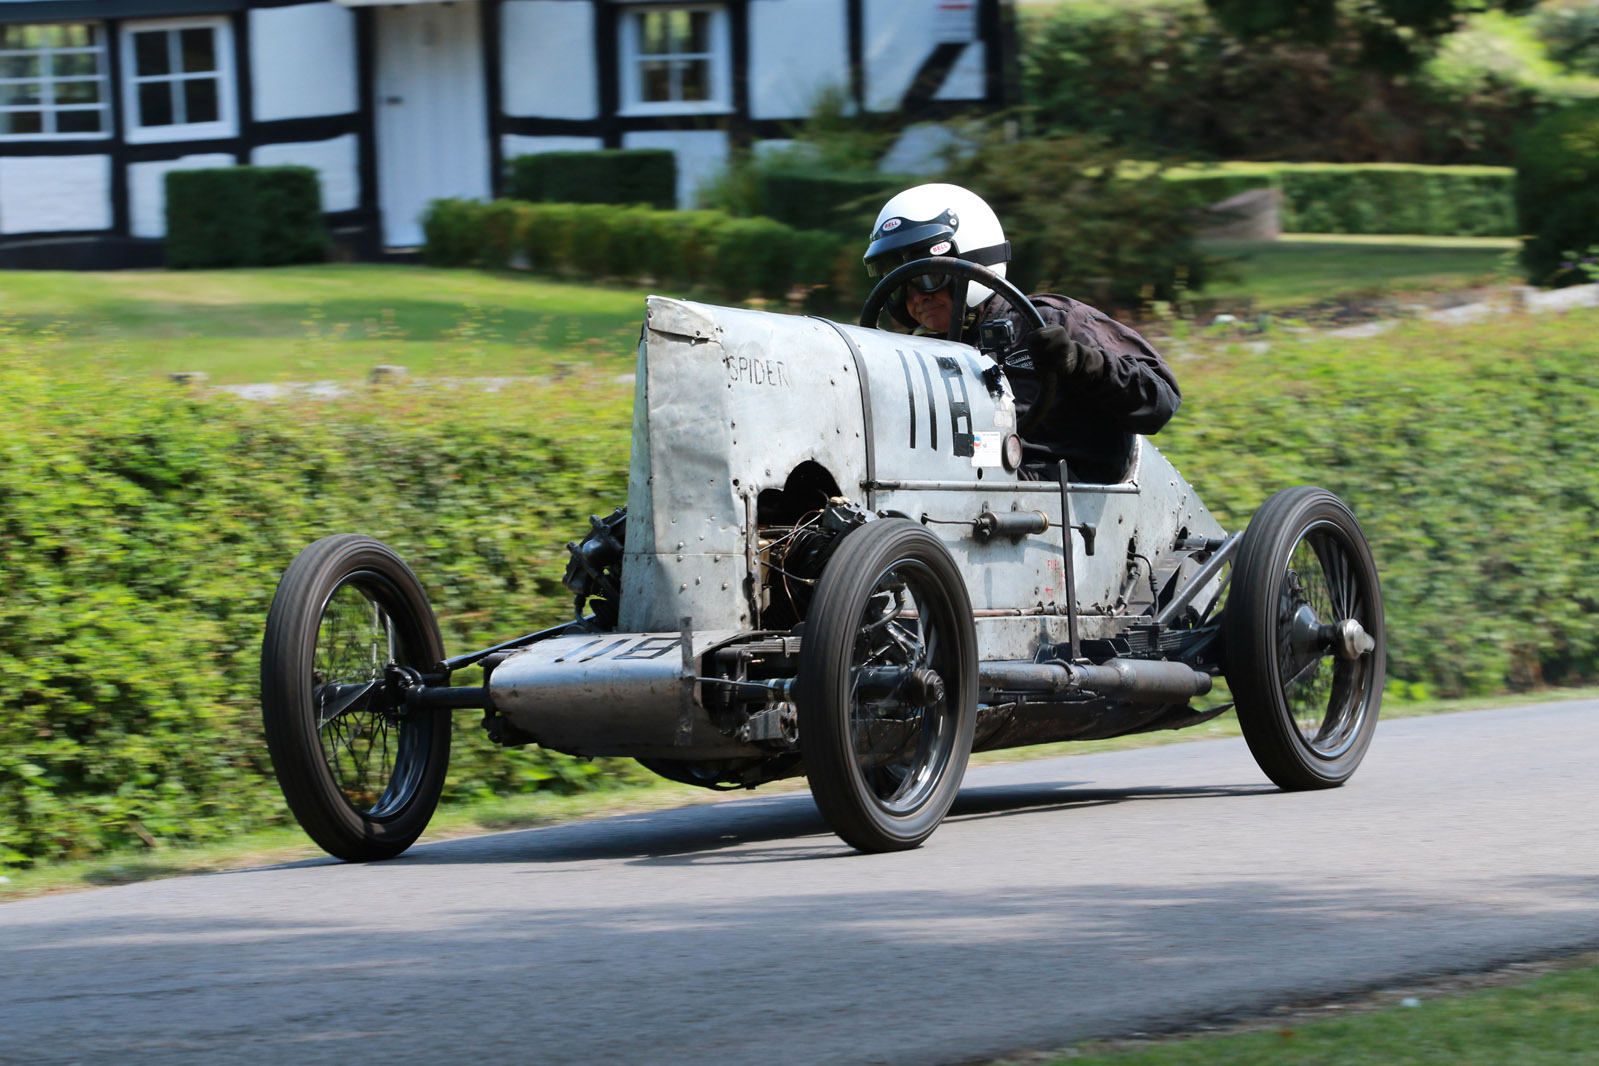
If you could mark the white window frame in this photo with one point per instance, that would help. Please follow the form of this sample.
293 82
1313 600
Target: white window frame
47 106
720 56
227 122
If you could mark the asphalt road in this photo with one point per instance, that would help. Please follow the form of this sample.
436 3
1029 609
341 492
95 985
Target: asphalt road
1067 898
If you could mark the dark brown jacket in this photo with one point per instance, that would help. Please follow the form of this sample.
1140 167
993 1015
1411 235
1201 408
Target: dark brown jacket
1092 421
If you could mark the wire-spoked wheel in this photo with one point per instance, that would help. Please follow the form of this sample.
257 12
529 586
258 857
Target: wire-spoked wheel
361 775
1304 639
887 687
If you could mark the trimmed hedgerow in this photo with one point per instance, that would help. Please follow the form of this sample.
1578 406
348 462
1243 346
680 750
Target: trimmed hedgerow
244 216
606 176
143 529
142 532
702 251
1465 201
838 202
1466 452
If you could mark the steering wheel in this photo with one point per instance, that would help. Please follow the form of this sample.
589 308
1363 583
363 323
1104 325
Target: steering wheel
967 271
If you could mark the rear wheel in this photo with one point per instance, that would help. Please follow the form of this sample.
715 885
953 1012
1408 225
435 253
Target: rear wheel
887 688
361 774
1304 641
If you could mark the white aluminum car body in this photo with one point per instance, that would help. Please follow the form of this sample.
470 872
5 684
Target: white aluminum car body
730 404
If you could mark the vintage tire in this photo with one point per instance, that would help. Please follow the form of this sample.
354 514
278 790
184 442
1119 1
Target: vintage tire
885 771
363 783
1307 700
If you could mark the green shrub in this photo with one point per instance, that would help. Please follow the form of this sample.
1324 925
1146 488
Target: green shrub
1081 223
142 531
754 256
1466 452
1371 197
677 250
1570 32
244 216
1557 193
1212 188
503 238
607 176
842 203
1380 198
454 232
1164 78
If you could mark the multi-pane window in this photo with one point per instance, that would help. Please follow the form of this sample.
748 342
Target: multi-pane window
179 81
53 81
675 58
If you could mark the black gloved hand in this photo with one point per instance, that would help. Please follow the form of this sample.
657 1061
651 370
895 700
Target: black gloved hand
1054 352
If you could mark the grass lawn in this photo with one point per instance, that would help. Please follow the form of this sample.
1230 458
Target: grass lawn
337 322
1306 270
323 322
1548 1019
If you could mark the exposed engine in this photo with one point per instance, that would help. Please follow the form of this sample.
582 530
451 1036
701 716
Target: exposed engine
594 573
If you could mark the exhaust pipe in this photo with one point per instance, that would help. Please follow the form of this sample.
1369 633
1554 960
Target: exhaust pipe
1136 680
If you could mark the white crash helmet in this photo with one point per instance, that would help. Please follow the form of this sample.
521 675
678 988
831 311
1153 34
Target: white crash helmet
938 219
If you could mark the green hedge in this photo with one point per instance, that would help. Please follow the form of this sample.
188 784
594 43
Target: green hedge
143 528
1557 194
844 203
702 251
1373 197
608 176
244 216
1467 454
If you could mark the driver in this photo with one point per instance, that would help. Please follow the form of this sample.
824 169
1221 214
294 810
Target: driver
1110 383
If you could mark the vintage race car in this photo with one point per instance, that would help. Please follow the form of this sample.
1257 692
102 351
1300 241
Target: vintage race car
836 562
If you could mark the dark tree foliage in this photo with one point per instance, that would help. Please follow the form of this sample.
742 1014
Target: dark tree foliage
1166 79
1557 195
1393 35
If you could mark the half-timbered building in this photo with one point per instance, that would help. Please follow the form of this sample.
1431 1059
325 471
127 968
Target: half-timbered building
397 102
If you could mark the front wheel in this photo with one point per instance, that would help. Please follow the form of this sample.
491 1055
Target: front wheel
1304 641
887 687
361 774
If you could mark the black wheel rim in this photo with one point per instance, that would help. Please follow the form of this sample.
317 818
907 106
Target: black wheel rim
900 746
376 755
1328 696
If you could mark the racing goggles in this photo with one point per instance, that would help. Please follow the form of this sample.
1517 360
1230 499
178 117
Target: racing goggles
886 262
927 283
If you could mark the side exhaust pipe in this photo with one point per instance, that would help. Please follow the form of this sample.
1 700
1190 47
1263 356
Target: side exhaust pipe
1138 680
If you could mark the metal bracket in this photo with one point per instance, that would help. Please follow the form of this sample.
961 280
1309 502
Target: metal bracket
685 705
1066 562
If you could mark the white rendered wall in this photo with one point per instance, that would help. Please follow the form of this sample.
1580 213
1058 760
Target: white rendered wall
147 190
918 150
337 163
797 49
304 61
515 144
547 67
899 36
701 154
966 77
51 193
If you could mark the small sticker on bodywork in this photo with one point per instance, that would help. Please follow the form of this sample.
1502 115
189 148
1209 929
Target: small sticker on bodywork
988 449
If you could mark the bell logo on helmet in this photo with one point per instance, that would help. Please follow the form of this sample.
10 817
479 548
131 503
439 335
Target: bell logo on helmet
892 224
939 249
